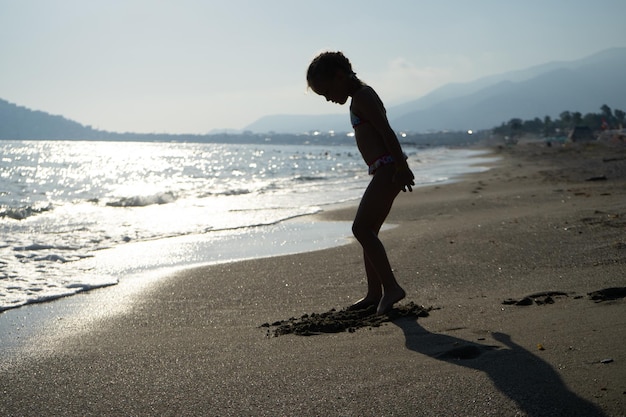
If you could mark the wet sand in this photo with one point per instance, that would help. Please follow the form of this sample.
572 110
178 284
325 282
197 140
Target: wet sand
515 307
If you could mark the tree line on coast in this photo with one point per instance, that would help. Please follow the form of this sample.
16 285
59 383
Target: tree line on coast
606 119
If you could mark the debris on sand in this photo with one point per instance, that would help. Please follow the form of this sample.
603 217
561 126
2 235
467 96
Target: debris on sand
549 297
608 294
540 298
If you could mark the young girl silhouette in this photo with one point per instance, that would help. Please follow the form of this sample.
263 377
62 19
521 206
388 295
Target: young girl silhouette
330 75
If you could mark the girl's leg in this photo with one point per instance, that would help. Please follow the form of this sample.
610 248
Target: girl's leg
373 210
374 288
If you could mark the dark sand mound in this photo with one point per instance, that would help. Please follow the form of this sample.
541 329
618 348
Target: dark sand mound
334 321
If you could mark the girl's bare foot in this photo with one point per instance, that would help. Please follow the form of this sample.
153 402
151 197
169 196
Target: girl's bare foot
390 297
364 303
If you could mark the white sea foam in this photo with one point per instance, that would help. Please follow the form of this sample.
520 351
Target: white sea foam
80 215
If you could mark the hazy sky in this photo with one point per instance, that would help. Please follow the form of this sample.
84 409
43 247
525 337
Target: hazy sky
190 66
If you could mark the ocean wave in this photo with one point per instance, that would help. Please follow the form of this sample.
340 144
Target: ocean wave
30 293
286 216
21 213
52 258
34 246
225 193
237 191
259 209
43 246
270 187
143 201
307 178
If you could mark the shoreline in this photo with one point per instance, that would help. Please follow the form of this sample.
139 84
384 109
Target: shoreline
298 234
76 271
533 224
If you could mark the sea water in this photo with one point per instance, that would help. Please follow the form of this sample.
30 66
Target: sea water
81 215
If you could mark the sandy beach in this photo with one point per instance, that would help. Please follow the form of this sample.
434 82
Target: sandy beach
515 306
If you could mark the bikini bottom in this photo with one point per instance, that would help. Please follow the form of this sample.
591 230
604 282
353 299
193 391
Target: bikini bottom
379 162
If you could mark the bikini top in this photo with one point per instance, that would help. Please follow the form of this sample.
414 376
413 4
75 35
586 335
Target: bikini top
356 120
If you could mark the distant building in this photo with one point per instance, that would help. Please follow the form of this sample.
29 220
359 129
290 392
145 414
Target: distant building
613 136
581 134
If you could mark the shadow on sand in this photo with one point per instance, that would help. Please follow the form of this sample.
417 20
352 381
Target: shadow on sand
526 379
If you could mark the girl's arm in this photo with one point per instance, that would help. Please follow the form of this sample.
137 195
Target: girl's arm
369 106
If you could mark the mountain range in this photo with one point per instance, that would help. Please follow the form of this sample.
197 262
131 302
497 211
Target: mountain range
546 90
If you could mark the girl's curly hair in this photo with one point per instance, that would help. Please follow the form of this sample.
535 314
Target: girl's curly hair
325 66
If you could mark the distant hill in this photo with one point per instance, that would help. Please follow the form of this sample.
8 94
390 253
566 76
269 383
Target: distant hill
546 90
17 122
21 123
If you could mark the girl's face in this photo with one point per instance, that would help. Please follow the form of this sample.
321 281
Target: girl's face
333 89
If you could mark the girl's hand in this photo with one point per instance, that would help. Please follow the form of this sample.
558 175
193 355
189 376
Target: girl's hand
405 178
